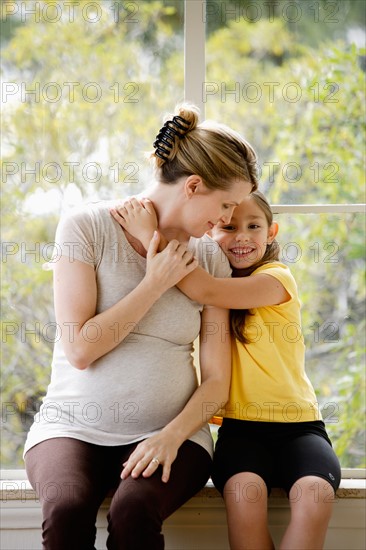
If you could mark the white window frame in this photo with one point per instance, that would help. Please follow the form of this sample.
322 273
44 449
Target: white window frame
194 78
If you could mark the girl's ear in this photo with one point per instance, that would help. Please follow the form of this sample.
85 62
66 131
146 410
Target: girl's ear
272 232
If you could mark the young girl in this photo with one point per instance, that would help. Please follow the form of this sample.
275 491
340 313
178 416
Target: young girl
272 434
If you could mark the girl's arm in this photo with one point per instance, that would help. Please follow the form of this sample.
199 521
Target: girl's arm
87 336
209 397
234 293
139 219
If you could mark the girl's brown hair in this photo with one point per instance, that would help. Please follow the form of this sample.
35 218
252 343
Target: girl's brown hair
238 316
213 151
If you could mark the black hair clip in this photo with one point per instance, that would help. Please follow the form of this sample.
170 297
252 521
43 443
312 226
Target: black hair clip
165 138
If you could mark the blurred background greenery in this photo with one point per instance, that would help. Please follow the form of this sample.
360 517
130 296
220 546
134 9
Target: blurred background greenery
84 88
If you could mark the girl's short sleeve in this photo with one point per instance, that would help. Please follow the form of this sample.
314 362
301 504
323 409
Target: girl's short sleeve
282 273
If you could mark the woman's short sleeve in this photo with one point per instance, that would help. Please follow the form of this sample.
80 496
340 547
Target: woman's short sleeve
210 256
75 237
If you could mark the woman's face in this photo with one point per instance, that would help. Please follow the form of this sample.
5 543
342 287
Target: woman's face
207 207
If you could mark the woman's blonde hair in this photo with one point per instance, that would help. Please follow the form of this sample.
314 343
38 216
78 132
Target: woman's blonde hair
213 151
238 316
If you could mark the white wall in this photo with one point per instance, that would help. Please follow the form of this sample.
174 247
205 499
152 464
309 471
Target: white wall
199 525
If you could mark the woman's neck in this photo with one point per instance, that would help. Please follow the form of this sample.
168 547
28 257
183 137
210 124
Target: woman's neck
167 201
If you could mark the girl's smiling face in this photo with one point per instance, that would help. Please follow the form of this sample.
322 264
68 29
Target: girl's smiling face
245 238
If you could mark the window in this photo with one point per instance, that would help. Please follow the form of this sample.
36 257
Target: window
83 85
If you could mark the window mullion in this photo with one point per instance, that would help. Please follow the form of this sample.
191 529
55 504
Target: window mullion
194 52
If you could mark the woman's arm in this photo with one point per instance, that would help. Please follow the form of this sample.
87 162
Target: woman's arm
210 396
87 336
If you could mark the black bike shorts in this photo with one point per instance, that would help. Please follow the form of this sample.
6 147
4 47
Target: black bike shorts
280 453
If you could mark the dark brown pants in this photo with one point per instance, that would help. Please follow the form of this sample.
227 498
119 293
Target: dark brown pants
72 478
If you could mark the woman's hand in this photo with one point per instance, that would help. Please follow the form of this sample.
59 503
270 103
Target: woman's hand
165 269
159 450
138 218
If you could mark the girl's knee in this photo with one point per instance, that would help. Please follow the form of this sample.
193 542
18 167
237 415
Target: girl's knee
312 498
246 499
246 488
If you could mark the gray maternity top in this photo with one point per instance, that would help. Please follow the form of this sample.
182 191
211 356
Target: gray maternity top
137 388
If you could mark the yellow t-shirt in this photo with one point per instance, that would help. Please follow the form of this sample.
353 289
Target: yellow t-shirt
269 382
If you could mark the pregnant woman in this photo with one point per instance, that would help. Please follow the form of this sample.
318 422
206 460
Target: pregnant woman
124 411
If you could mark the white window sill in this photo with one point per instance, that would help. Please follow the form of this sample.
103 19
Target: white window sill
199 524
14 485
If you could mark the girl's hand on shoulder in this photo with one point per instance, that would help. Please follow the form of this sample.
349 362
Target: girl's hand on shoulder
165 269
138 217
